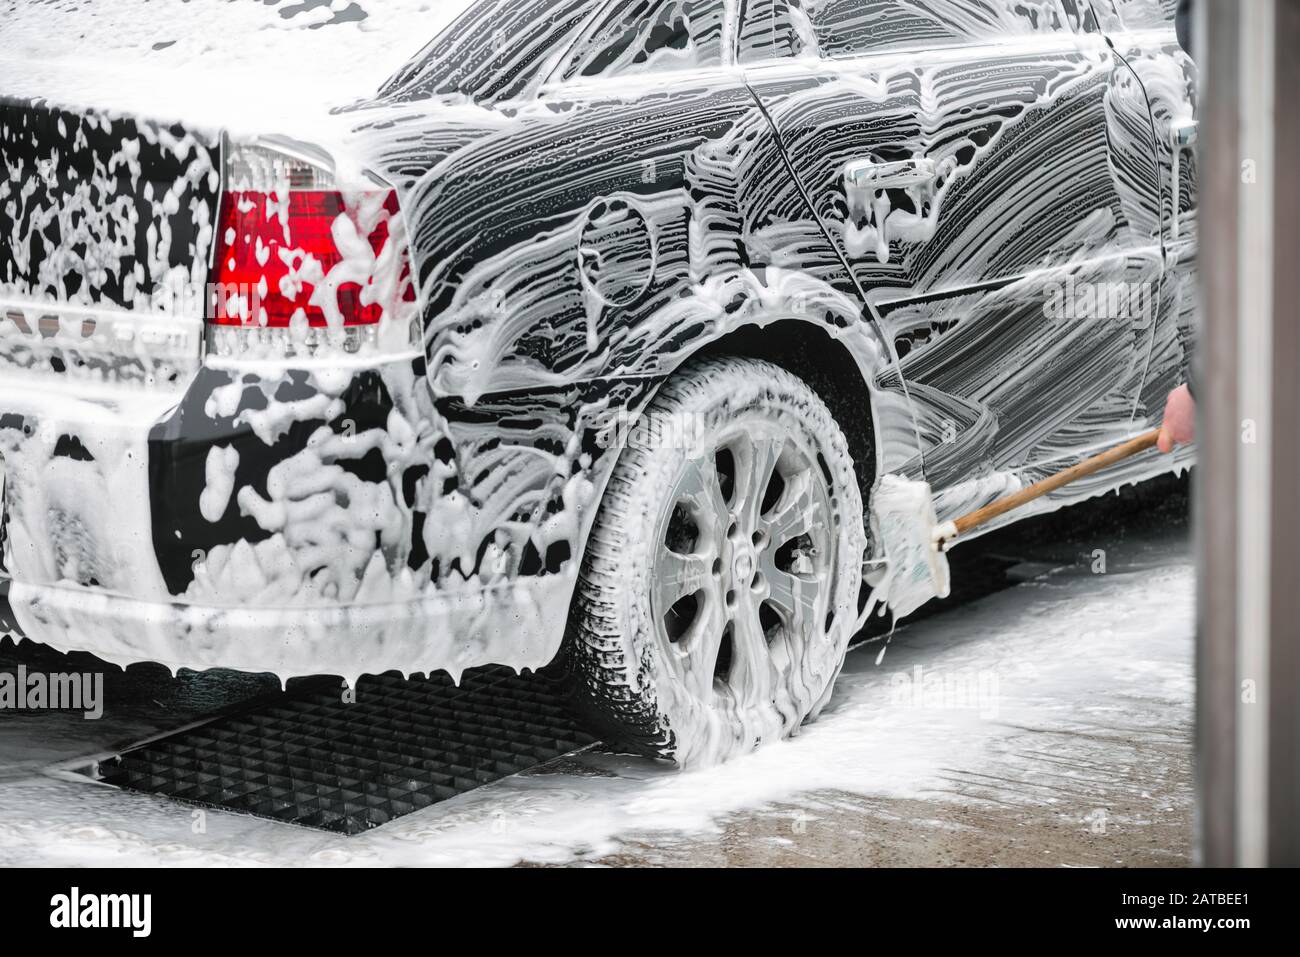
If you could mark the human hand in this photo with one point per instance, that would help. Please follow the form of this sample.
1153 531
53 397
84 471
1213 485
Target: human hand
1179 426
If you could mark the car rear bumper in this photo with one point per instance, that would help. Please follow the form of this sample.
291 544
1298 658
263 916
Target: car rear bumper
453 632
75 457
110 546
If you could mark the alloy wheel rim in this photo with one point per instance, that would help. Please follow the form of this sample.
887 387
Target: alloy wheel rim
745 561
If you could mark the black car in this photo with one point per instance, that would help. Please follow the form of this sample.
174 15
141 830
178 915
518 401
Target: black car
582 338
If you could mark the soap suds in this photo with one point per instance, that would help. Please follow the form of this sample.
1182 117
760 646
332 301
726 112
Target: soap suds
221 466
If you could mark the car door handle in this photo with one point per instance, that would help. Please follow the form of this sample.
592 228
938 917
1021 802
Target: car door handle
868 174
1182 136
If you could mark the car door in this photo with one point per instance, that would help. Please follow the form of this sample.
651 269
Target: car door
963 159
1143 35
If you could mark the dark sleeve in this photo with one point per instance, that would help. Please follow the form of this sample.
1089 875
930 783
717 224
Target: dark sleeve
1194 374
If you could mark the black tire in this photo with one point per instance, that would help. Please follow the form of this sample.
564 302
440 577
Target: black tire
647 691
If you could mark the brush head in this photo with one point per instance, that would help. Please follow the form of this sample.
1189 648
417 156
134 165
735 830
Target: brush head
903 512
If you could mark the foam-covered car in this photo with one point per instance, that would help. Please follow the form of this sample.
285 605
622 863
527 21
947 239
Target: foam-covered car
341 338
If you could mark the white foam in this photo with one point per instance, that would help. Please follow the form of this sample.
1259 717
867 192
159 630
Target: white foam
245 66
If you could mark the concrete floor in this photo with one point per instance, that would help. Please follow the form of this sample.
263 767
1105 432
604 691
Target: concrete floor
1129 806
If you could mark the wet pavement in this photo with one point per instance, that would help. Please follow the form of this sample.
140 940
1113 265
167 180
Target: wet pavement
1041 716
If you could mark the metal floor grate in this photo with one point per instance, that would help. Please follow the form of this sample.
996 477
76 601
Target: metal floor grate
308 758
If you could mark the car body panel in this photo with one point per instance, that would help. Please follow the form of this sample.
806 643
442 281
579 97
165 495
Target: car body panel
1013 104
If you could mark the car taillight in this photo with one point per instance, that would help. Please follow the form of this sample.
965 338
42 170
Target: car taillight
303 266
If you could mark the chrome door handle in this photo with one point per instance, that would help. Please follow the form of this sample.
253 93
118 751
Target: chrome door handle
1184 133
867 174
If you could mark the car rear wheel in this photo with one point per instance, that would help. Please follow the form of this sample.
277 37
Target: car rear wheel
719 588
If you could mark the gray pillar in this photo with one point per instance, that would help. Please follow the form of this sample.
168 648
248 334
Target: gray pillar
1248 523
1217 40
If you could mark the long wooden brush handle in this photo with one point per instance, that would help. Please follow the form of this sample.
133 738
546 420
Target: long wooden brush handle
1036 491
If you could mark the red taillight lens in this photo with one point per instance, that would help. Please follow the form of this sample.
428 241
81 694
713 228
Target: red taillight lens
313 258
